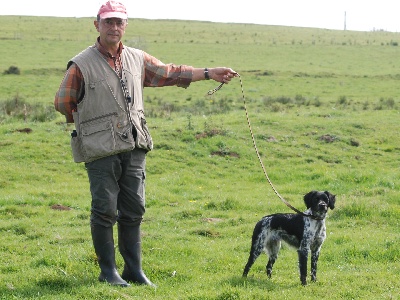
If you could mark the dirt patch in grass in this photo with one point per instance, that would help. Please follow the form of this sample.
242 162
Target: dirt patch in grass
60 207
212 220
224 153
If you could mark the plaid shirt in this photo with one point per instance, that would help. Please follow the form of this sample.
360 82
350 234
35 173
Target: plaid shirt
157 74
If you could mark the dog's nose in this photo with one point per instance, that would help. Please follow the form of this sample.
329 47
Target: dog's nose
323 205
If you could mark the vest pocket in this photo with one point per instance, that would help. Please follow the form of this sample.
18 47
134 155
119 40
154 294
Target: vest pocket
147 135
98 139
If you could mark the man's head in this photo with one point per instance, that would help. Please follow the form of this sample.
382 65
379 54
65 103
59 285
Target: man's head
111 22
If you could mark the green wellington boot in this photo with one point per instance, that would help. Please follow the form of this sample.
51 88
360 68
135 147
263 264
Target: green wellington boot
103 243
129 242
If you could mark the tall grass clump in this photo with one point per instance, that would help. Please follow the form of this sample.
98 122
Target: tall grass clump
17 109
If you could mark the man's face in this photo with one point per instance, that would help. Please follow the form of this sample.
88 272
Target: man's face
111 30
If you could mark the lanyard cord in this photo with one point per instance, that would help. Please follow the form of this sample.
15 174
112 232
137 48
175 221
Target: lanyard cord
121 73
210 92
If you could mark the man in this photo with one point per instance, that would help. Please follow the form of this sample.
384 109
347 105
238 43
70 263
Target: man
102 93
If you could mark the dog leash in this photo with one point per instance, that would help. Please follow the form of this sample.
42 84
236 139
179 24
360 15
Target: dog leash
211 92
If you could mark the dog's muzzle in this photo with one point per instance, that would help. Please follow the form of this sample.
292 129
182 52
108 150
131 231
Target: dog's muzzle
322 206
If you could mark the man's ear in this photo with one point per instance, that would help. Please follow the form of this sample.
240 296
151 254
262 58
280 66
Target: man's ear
96 24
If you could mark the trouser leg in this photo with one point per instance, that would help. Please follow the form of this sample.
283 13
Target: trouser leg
131 208
103 177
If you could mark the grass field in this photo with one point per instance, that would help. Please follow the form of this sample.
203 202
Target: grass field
324 110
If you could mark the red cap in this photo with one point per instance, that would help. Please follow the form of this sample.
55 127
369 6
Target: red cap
112 9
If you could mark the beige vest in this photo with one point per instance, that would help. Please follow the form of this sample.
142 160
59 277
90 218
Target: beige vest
104 120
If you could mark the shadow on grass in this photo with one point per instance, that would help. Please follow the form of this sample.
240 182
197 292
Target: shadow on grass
43 287
260 283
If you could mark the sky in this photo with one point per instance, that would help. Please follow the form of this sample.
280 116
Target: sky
359 15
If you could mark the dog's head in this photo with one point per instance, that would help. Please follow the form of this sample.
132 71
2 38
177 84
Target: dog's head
319 202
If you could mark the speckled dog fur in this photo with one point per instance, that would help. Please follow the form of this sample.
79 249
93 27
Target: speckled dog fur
302 232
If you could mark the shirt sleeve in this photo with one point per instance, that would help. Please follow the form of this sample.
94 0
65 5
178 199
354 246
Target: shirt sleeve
69 93
158 74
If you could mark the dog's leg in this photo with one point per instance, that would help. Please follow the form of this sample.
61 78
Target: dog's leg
254 253
314 263
303 257
273 248
257 247
269 266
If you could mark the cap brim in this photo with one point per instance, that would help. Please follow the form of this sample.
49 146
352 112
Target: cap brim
113 14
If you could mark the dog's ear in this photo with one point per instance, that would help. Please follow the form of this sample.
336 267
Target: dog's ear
332 199
308 198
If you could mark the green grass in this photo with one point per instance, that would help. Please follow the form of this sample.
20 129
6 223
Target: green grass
324 111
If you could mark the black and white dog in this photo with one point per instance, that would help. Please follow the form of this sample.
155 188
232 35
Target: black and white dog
306 233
